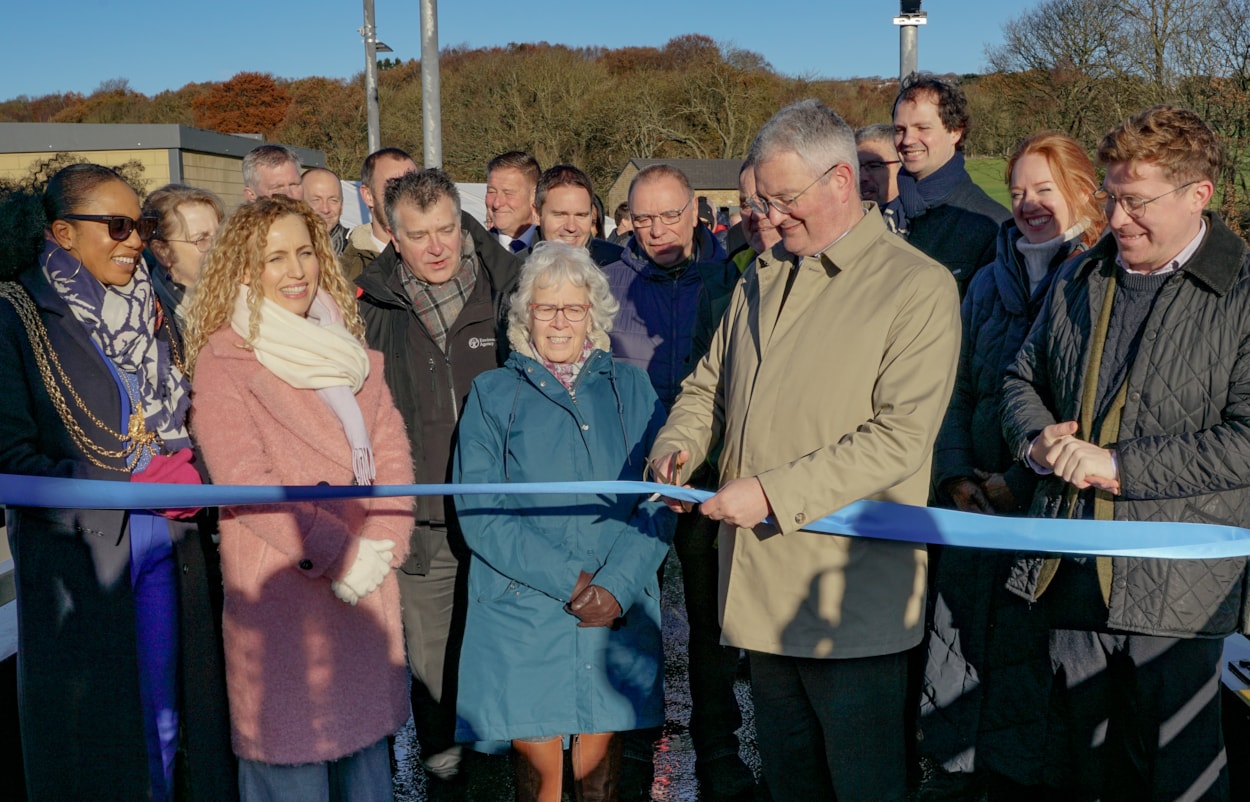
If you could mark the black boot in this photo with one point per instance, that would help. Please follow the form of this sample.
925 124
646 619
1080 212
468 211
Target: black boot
526 778
601 782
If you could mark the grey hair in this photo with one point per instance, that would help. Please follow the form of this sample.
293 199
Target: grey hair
267 156
422 190
551 264
877 132
813 132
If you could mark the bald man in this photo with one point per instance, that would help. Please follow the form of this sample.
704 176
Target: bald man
324 193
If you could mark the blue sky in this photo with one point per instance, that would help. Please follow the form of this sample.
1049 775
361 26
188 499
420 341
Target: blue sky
74 45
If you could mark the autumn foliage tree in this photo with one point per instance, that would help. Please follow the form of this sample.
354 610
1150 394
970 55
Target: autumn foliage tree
328 115
1078 66
248 103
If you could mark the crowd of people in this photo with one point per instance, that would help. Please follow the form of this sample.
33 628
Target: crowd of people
878 328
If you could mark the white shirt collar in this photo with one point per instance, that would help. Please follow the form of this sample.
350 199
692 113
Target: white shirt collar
1179 260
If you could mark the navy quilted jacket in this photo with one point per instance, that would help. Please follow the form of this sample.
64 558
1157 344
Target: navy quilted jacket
1184 440
997 313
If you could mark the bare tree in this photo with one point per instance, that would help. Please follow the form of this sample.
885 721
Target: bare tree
1063 54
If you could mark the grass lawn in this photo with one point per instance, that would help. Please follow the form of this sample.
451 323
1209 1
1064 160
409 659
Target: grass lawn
988 175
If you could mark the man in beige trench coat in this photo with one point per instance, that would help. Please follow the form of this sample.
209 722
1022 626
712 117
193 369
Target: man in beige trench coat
826 383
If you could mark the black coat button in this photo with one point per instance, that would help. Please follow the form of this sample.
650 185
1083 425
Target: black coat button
305 565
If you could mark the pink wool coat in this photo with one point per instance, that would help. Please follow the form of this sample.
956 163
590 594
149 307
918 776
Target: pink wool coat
310 678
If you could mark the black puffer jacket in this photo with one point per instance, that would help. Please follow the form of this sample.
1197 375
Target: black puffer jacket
429 386
1184 440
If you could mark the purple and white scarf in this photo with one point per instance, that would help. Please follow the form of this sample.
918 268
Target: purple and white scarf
121 321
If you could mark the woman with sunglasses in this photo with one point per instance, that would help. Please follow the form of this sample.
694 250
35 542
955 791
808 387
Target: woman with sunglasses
120 672
187 221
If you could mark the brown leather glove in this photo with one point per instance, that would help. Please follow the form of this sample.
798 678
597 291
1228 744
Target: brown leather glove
968 495
596 607
997 491
583 580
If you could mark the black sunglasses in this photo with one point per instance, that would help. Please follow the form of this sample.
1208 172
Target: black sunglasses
120 225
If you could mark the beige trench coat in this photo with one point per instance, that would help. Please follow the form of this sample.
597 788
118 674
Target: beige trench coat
837 398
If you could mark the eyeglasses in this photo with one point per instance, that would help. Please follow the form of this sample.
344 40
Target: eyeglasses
1132 205
877 164
760 205
202 244
120 225
668 218
573 313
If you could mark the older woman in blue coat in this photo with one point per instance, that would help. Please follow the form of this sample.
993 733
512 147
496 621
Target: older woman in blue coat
562 636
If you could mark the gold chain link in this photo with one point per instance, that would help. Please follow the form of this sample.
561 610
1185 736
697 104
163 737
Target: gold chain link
133 442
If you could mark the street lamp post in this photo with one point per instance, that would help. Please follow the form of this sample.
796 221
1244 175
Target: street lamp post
431 100
372 48
909 19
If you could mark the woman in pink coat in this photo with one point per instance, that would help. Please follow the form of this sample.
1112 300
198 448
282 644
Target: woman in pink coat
285 394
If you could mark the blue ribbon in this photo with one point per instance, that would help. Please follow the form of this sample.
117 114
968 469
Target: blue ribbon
875 519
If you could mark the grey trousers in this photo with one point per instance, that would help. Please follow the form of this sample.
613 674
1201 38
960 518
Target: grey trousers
433 616
1135 717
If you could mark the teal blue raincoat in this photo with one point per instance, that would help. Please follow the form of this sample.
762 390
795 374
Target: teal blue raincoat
526 669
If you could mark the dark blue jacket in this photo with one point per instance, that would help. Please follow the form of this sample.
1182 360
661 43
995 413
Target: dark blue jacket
966 583
82 719
654 329
1184 440
960 230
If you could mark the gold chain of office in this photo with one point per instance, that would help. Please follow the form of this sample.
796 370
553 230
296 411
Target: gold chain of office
133 441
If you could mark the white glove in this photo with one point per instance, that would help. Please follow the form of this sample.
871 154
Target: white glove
372 564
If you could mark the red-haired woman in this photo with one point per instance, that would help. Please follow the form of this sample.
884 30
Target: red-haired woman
1054 215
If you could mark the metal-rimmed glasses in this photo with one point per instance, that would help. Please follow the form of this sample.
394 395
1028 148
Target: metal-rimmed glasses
120 225
760 205
668 218
202 244
1132 205
573 313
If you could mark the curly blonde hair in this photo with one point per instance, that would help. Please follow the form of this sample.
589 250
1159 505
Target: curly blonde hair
237 257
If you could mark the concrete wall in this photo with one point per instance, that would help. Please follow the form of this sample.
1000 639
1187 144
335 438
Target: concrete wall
221 174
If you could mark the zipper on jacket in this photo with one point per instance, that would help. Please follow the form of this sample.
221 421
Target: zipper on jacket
434 389
673 362
451 385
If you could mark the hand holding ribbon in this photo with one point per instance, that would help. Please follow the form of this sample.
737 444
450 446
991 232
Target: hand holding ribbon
172 469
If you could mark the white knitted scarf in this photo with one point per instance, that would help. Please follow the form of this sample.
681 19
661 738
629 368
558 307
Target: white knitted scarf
315 352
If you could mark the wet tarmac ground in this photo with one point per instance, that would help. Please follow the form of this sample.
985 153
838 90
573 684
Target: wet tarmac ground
674 757
491 775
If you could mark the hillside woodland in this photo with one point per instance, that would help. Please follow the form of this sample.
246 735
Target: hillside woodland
1077 66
